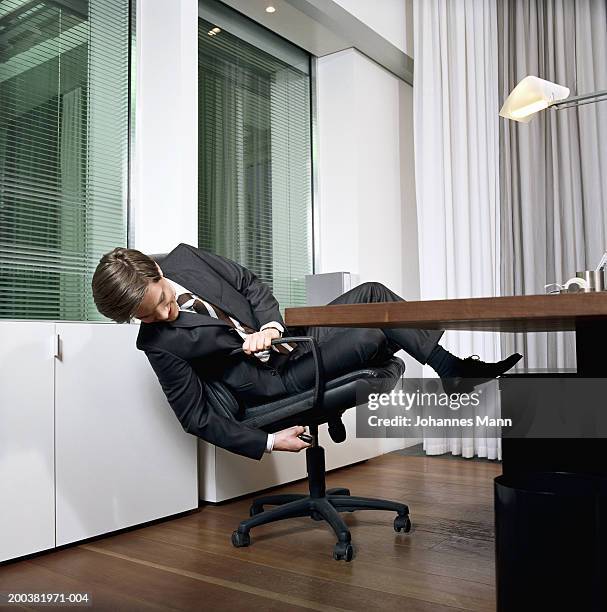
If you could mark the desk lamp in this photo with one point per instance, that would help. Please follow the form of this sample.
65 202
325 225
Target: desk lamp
533 94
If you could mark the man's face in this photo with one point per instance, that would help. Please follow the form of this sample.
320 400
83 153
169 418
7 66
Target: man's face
158 304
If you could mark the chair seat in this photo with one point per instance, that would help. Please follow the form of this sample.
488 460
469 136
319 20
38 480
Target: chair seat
340 394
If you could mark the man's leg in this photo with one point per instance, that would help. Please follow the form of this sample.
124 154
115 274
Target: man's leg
342 349
419 343
342 354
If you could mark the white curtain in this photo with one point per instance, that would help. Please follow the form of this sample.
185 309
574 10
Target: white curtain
457 174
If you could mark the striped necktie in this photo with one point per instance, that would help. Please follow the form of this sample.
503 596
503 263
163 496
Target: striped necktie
199 306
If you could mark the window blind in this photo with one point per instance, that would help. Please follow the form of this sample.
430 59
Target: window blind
255 196
64 99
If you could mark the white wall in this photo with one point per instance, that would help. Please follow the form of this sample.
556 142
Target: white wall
164 170
408 203
359 196
392 19
411 289
366 181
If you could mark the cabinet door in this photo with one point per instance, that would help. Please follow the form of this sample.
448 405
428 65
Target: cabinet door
27 504
122 457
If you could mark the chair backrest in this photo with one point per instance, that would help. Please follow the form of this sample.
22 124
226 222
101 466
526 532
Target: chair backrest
159 258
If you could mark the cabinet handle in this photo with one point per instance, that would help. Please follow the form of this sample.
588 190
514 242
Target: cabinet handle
57 347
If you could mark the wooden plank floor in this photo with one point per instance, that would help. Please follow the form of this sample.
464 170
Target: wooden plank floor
445 563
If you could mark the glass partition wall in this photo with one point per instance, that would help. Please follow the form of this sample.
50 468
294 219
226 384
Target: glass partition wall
63 151
255 196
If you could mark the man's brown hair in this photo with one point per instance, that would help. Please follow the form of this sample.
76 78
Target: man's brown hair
120 281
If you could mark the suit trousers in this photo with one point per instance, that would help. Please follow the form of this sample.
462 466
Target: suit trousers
344 349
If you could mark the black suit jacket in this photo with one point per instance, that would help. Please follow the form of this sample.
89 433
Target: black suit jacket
196 346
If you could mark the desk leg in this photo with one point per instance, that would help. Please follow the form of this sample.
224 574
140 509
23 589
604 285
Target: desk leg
588 456
590 349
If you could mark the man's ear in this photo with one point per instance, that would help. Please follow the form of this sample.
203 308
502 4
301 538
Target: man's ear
159 270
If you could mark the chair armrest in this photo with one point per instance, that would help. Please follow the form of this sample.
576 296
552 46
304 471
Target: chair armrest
319 370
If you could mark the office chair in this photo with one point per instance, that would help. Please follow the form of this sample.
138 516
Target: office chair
325 402
311 408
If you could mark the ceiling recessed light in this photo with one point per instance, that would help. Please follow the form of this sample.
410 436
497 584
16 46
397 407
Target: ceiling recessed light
214 31
270 9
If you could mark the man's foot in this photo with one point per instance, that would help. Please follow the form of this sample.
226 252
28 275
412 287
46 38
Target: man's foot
471 371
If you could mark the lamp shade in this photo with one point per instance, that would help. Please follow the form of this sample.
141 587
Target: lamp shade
531 95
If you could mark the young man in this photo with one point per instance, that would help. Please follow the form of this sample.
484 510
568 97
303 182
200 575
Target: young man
200 306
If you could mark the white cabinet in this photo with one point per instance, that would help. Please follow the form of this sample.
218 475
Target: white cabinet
224 475
27 504
88 442
122 458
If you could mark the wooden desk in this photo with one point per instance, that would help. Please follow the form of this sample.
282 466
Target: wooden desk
506 314
584 313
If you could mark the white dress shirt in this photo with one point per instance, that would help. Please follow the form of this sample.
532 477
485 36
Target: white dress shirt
261 355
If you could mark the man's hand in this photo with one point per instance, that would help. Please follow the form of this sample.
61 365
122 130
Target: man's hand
259 341
287 440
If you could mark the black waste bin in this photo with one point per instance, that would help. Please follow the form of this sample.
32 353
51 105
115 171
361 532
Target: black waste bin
550 542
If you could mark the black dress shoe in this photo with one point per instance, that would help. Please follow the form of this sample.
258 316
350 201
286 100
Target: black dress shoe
472 372
337 430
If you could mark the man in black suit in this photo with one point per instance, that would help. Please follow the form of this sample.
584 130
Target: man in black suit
200 306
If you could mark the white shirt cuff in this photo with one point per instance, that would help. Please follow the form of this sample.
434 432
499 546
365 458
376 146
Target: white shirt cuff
275 324
270 443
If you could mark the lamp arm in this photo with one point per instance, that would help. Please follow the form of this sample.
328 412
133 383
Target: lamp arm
584 98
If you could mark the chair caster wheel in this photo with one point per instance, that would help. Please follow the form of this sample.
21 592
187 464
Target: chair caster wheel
316 516
253 510
343 551
240 539
402 523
